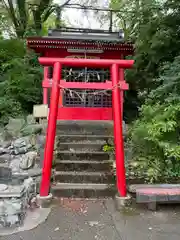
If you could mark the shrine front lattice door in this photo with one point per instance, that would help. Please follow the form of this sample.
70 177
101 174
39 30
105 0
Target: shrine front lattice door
84 97
85 104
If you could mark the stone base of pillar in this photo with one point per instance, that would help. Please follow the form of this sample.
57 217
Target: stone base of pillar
121 202
45 201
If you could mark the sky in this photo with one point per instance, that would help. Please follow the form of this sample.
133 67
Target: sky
79 18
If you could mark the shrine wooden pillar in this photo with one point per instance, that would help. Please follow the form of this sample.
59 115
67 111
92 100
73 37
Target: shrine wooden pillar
45 89
121 78
118 130
51 131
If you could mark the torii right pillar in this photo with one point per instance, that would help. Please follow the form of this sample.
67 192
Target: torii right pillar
122 198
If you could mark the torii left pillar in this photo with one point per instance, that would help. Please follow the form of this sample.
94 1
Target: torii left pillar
49 148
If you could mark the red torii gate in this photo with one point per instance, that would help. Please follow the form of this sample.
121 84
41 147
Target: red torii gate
118 85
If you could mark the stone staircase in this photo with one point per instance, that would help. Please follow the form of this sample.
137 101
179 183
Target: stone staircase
82 168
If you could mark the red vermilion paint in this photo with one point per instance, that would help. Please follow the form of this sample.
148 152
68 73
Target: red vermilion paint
117 113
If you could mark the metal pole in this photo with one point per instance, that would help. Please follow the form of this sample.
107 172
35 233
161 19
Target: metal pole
51 131
118 133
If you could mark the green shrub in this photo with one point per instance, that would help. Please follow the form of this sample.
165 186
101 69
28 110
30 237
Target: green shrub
155 136
20 80
108 148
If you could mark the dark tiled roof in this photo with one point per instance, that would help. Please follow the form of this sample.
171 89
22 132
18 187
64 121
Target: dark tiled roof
86 35
84 38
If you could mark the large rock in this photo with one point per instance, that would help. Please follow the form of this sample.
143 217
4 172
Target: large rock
5 151
23 162
14 165
33 139
14 200
41 153
31 129
22 150
30 119
6 144
2 150
20 142
40 141
15 125
21 146
33 173
5 173
1 136
40 147
5 158
12 207
5 136
27 160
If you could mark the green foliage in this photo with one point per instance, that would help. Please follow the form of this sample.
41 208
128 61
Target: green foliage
20 80
134 15
5 25
108 148
152 26
9 108
27 17
10 49
155 136
23 83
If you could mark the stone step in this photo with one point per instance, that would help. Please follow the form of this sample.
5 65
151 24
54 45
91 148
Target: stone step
75 138
82 168
85 127
80 147
83 165
84 177
83 190
82 155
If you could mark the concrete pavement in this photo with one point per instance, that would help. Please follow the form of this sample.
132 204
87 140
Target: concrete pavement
98 220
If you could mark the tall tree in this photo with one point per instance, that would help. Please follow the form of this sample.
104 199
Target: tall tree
6 27
134 13
25 14
153 26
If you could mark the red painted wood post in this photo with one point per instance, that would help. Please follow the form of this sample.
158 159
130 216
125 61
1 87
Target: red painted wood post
118 133
121 78
45 90
51 131
45 95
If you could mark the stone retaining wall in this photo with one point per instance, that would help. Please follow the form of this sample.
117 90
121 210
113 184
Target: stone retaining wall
21 142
